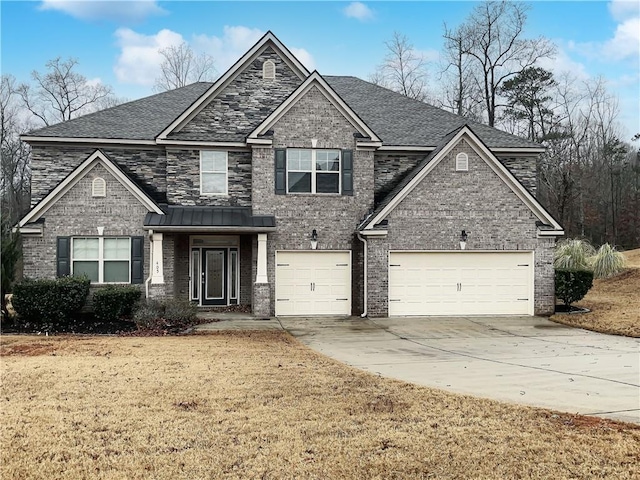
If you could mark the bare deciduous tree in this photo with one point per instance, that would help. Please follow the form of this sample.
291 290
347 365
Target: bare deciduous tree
403 70
492 37
61 93
14 164
181 66
461 91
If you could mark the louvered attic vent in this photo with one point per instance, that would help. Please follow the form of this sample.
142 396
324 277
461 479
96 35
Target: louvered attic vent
98 187
268 70
462 162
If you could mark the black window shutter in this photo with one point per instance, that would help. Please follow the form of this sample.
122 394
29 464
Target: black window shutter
347 172
137 259
63 257
281 171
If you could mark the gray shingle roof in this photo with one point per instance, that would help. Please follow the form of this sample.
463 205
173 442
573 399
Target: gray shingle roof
399 120
396 119
140 119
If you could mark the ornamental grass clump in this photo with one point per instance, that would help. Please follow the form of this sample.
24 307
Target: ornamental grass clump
607 262
573 254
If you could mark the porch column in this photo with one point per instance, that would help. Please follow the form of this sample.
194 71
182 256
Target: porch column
261 276
157 274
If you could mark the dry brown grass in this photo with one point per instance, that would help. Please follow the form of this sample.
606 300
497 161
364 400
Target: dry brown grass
261 405
614 303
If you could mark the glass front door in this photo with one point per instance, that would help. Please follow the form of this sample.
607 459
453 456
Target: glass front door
214 276
214 268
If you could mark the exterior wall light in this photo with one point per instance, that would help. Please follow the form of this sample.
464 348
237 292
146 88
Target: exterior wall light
463 240
314 239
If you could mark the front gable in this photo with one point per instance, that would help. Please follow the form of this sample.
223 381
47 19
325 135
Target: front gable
239 100
440 182
316 108
96 166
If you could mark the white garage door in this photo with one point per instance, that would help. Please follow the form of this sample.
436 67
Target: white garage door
460 283
313 283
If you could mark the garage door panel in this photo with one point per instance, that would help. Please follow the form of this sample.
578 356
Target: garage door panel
460 283
319 285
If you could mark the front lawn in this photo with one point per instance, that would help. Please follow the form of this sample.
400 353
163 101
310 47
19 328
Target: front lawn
614 303
261 405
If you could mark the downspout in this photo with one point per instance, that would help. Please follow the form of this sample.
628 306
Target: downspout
148 280
364 242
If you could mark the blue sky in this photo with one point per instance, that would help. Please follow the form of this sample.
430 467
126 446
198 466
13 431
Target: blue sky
117 42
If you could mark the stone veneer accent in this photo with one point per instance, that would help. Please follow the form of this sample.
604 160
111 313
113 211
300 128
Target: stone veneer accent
524 169
335 217
244 103
391 168
183 179
50 164
77 213
446 202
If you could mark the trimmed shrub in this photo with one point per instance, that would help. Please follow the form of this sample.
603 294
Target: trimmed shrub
166 316
607 262
573 254
50 305
113 302
572 285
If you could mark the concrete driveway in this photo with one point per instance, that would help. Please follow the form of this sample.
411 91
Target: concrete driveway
526 360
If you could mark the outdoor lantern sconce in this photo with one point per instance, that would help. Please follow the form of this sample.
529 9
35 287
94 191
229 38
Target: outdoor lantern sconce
314 239
463 240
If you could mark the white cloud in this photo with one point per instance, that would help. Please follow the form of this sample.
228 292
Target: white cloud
623 9
562 64
305 58
234 42
123 11
359 11
139 60
626 41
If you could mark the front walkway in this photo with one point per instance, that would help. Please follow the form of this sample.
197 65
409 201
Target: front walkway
526 360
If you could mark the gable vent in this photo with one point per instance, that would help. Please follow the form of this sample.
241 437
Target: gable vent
98 187
462 162
269 70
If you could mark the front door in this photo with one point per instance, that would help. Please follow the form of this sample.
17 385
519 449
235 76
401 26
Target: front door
214 276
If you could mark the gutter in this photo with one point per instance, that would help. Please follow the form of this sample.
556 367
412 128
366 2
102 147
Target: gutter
364 242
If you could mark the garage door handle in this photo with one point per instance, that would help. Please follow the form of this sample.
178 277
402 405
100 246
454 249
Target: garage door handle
524 299
313 287
342 264
342 299
282 300
523 264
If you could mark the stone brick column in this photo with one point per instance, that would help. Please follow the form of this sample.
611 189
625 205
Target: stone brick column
261 303
378 277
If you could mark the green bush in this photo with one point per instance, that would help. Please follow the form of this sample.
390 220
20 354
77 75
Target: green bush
170 315
113 302
49 305
572 285
607 262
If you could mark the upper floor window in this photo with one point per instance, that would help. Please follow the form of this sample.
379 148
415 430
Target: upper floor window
213 172
102 260
313 171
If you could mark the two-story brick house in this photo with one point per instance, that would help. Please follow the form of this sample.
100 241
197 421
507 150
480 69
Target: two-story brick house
296 194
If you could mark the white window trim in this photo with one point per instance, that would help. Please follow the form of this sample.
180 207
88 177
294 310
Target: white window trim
98 187
314 172
226 175
101 259
462 162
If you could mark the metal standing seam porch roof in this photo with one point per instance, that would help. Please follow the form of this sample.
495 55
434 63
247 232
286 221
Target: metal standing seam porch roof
209 219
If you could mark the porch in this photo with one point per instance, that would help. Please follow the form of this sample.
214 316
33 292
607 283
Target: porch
212 256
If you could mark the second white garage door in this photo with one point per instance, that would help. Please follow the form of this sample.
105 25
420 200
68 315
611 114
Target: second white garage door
460 283
313 283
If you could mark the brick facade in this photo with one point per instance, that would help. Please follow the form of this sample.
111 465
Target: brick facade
78 213
335 217
446 202
430 218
